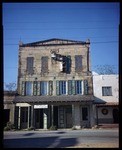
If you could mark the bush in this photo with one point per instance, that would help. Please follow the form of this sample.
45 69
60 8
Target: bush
53 128
9 126
74 128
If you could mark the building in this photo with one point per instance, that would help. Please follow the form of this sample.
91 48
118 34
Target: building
106 90
54 85
8 111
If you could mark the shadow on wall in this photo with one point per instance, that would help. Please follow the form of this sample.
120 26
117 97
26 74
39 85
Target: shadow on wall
98 101
42 142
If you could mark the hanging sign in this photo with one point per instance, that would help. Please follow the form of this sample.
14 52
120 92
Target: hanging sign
40 106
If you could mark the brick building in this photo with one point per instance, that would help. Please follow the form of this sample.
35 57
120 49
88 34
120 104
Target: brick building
54 85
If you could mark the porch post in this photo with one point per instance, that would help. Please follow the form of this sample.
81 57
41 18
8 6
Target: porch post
32 109
52 122
19 118
28 116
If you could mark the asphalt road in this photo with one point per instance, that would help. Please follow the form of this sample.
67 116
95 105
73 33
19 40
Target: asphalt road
104 138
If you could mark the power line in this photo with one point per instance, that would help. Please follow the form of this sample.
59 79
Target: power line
60 28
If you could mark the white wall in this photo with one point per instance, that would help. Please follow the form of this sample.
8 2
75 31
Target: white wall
106 80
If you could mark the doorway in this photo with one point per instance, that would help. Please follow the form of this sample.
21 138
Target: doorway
6 116
115 115
38 118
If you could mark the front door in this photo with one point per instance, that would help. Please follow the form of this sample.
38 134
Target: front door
115 116
39 118
68 117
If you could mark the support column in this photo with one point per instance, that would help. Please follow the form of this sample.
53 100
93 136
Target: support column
77 116
28 116
45 118
19 117
73 115
92 119
52 121
32 116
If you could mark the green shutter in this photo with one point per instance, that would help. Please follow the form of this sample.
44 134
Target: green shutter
50 87
23 87
85 87
73 87
35 88
57 87
70 87
38 88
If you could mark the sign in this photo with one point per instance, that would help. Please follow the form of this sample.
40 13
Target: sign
40 106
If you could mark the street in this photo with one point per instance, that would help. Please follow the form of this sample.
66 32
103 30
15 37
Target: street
107 138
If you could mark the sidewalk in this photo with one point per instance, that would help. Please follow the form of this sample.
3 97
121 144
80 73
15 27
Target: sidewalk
104 126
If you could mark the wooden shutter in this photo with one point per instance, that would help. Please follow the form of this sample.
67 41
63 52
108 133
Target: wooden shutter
50 87
23 88
68 64
73 87
44 64
78 63
57 88
30 65
35 88
85 87
38 88
70 87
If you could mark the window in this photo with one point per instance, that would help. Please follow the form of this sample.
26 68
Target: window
106 91
84 113
78 63
75 87
44 64
60 87
30 65
44 88
28 88
78 86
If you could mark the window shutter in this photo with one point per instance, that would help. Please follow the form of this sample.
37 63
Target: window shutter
73 87
50 87
23 87
85 87
70 87
38 88
78 63
35 88
68 64
44 64
30 65
57 87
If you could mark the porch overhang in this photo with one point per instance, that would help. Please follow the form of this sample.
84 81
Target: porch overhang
48 99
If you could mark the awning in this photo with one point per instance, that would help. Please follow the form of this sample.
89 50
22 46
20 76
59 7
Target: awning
63 98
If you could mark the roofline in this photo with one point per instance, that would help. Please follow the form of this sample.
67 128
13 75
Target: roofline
75 43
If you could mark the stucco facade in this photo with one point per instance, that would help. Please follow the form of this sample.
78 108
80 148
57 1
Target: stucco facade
60 88
108 112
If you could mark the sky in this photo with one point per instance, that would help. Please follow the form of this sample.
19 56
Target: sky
32 22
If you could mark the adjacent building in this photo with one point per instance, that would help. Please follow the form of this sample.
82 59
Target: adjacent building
55 86
8 111
106 92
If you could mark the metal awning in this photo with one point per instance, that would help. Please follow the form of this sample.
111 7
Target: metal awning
63 98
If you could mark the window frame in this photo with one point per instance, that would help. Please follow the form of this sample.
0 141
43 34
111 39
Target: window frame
108 92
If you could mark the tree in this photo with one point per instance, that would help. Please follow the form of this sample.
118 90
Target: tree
106 69
10 86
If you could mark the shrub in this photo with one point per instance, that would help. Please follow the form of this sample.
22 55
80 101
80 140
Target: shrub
9 126
53 128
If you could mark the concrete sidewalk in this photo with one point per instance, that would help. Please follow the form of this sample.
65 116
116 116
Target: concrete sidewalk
104 126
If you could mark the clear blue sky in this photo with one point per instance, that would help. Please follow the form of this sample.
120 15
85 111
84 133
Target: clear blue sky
31 22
